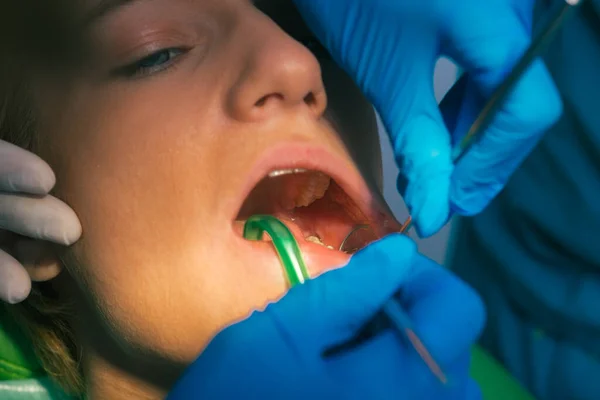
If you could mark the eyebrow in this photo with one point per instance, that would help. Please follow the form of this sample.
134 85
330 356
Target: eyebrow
102 9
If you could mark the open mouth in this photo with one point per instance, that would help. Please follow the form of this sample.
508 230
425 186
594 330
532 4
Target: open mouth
329 219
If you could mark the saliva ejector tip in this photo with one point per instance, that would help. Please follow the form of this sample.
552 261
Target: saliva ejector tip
285 244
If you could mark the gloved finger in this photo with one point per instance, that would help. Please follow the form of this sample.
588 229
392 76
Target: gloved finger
484 170
529 111
447 314
423 154
15 284
342 300
43 218
23 172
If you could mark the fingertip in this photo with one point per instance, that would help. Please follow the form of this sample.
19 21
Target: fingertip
537 101
24 172
432 214
426 167
15 284
72 230
38 178
427 202
64 227
19 292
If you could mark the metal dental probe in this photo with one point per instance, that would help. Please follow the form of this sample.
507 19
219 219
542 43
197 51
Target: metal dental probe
392 311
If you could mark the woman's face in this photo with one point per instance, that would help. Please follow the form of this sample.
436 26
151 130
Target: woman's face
178 110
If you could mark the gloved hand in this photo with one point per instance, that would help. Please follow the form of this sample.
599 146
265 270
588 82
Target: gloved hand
276 354
390 48
26 209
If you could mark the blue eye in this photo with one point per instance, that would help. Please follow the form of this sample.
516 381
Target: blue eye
155 62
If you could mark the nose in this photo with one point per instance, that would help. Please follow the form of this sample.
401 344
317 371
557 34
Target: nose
277 75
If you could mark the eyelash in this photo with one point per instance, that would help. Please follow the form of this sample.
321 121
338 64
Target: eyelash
141 68
138 69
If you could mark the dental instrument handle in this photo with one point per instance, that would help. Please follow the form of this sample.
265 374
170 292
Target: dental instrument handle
485 117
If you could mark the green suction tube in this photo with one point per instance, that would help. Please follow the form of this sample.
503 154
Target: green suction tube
285 245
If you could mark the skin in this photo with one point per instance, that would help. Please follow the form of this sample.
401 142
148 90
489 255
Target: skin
151 163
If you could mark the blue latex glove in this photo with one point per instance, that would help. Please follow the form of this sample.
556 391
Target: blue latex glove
390 48
276 354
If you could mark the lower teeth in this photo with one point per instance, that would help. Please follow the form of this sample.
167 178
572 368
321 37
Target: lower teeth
317 240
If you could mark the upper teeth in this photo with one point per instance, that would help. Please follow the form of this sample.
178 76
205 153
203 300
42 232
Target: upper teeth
281 172
306 191
314 189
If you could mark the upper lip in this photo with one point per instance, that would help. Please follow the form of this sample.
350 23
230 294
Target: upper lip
317 158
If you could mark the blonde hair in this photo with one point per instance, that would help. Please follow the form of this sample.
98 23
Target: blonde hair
44 316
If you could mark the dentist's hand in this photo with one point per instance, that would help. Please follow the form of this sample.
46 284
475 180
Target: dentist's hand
28 217
390 48
276 354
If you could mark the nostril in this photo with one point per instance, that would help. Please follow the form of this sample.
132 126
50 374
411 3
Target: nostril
310 99
263 100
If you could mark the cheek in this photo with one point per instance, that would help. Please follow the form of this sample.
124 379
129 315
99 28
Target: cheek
167 306
166 288
156 261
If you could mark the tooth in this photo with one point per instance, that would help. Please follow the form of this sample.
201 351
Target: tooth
290 171
315 239
314 189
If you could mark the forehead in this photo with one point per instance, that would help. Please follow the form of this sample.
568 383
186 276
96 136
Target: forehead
97 9
94 9
283 12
